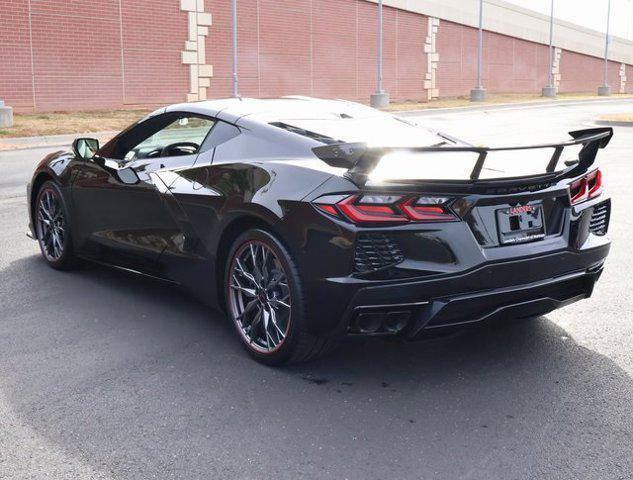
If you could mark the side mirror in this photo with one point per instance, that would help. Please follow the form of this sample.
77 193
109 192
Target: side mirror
85 148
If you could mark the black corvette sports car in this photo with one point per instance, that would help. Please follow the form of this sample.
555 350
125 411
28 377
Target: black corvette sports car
308 220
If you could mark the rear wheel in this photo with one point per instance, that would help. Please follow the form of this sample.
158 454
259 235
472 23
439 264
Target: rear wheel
52 226
265 301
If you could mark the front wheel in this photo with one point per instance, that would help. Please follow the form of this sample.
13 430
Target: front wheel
265 301
52 227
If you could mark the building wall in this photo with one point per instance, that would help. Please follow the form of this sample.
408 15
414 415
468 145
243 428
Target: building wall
583 73
69 55
512 20
508 64
15 55
324 48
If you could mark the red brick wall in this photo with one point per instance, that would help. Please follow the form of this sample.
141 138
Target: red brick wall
15 55
91 58
324 48
508 64
582 73
69 54
76 54
154 33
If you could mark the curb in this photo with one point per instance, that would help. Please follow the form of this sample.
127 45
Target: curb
26 143
507 106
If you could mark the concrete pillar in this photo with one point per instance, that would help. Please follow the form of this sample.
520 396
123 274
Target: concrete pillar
478 94
548 91
379 100
6 115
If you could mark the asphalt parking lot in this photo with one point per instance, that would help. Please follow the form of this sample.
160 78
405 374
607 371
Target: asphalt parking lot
110 376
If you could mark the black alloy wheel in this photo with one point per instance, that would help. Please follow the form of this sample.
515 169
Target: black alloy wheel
52 226
265 301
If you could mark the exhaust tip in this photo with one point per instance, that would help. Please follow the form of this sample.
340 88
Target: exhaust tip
396 321
369 322
380 322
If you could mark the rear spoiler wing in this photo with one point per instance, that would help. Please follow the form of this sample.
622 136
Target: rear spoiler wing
360 160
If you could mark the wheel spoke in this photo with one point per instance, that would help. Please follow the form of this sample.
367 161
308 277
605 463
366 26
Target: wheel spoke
247 291
267 323
277 278
242 271
257 274
45 211
273 320
55 245
41 218
265 269
276 303
49 204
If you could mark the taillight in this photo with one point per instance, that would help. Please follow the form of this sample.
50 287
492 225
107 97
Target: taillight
587 187
372 209
387 209
594 183
331 209
428 209
579 191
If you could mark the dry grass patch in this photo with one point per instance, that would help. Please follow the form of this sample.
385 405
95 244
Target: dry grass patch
618 117
44 124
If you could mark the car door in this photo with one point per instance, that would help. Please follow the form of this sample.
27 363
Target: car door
121 216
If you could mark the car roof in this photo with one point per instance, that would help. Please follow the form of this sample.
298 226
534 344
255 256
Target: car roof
275 110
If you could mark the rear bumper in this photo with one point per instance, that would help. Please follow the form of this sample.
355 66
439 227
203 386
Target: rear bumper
511 288
520 301
454 272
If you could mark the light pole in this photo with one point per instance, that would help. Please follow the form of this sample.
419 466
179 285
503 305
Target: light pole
478 94
235 89
550 89
605 89
379 99
628 23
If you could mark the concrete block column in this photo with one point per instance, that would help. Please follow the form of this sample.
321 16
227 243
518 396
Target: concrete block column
433 58
194 54
6 115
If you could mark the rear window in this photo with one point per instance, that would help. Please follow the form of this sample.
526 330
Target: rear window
377 131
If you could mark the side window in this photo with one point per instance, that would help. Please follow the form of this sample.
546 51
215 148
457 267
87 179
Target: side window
183 135
222 132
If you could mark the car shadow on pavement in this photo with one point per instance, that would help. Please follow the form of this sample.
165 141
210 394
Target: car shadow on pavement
134 379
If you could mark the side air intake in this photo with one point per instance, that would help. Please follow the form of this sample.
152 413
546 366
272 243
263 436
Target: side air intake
599 223
375 251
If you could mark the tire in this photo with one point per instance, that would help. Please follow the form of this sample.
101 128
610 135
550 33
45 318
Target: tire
273 331
55 242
